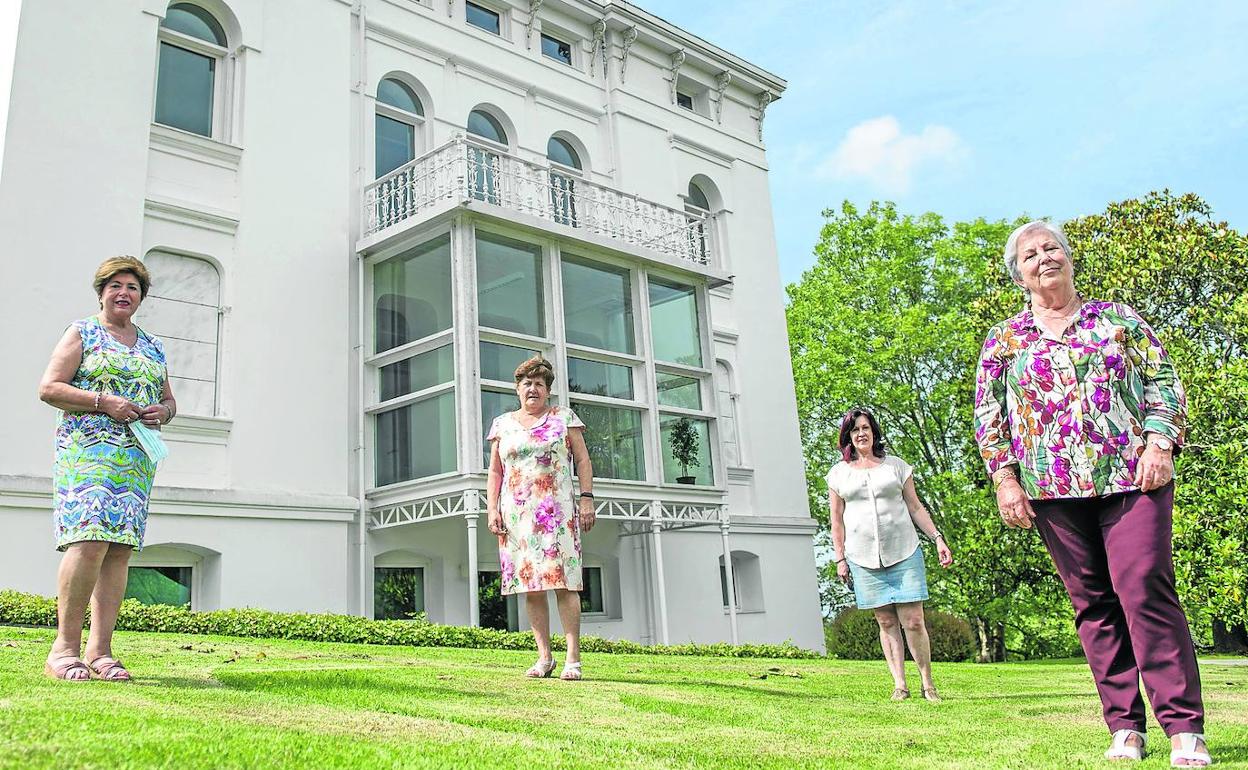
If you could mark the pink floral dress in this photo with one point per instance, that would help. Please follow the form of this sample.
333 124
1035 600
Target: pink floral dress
542 547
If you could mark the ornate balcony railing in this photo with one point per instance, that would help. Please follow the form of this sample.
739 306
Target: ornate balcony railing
465 170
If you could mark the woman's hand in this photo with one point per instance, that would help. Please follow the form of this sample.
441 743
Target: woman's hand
1154 470
495 523
842 571
155 415
587 515
1013 504
120 409
943 553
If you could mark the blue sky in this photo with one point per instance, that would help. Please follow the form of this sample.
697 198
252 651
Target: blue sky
990 109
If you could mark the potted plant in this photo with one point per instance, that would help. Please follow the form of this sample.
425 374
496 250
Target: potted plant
684 443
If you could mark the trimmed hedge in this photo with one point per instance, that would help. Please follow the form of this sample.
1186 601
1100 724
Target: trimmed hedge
18 608
854 635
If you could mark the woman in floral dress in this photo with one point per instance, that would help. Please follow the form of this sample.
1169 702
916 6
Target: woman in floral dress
532 510
105 375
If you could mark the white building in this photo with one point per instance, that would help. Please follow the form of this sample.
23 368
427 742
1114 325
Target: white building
359 216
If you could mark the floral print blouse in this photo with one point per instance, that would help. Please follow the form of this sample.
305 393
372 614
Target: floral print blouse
1072 411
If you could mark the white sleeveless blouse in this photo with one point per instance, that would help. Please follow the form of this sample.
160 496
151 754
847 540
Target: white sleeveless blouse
878 529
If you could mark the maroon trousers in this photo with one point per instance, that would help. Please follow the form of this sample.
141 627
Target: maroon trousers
1113 554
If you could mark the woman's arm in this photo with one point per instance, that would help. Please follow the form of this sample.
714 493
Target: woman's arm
584 477
54 387
923 520
492 487
836 524
162 411
992 433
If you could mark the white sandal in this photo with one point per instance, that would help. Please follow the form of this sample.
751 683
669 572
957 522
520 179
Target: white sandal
1120 750
541 669
1187 750
571 672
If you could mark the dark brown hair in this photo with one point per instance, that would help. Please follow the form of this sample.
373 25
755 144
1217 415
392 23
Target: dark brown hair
536 367
847 425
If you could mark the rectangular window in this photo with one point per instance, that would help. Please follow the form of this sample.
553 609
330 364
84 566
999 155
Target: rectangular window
613 438
556 49
483 18
184 89
493 404
160 585
412 294
395 144
674 323
416 440
597 305
600 379
686 450
678 391
723 587
416 373
499 362
398 592
591 592
509 285
684 100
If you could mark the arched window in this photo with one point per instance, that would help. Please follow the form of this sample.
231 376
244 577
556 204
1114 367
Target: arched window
399 118
729 427
485 166
189 82
184 310
486 126
698 209
565 167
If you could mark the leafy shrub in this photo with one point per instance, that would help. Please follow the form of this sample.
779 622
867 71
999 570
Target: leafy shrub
854 635
30 610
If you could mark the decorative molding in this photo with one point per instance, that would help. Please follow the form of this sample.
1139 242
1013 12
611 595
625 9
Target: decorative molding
703 151
534 7
599 47
195 429
191 215
626 45
193 146
721 85
450 7
678 61
765 98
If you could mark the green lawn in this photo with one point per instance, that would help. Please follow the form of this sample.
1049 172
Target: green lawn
245 703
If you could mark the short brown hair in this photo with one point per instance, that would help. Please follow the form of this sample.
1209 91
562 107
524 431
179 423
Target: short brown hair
536 367
116 265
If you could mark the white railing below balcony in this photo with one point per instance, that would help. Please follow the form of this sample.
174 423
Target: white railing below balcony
466 170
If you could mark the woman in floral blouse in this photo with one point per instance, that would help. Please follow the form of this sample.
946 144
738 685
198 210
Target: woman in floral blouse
531 509
1078 412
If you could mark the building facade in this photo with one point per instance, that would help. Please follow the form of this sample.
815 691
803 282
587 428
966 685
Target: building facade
359 217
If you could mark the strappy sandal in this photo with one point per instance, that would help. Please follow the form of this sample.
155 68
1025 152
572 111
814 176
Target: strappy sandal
541 669
930 695
61 668
1187 750
571 672
109 669
1119 748
900 693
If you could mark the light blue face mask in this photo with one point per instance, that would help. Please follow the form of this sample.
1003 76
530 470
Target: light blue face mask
153 445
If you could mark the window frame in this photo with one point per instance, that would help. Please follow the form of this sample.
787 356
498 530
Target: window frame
417 121
501 13
543 36
591 614
179 558
223 76
402 562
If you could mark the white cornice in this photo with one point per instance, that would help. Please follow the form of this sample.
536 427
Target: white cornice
191 215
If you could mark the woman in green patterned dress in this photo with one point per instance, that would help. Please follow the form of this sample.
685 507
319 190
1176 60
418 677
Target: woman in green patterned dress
105 375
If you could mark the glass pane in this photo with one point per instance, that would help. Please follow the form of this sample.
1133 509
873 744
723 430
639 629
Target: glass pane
160 585
416 440
194 21
591 592
684 100
674 390
184 85
493 403
556 49
416 373
686 451
484 125
482 17
395 94
412 294
674 323
499 362
560 151
509 285
398 592
613 438
697 197
394 144
597 305
600 379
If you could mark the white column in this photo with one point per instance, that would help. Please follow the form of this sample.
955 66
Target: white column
471 502
656 527
730 578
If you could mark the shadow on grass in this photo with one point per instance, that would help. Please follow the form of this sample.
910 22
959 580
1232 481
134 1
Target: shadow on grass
186 682
732 688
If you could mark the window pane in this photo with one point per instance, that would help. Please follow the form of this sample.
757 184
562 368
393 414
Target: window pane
486 126
412 294
395 94
597 305
160 585
556 49
723 586
613 438
493 403
184 85
509 285
600 379
499 362
560 151
674 323
591 592
398 592
194 21
697 197
684 100
686 451
395 144
674 390
416 373
416 440
482 17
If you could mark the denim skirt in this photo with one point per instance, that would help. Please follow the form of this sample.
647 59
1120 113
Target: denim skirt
905 581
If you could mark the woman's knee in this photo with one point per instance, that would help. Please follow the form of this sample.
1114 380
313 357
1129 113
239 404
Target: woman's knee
887 618
912 619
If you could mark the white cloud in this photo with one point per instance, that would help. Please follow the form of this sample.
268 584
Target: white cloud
878 152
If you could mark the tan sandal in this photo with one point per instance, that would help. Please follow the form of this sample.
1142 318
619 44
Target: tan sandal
900 693
542 669
930 695
109 669
62 667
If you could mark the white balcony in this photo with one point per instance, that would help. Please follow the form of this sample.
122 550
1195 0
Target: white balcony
466 173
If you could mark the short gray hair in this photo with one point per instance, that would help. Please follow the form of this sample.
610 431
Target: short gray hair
1011 243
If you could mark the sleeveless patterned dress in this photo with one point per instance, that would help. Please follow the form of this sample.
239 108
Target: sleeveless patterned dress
542 547
101 476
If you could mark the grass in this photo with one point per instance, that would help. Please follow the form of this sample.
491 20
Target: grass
201 702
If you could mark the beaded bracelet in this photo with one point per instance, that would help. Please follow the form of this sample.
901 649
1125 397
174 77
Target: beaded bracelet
96 407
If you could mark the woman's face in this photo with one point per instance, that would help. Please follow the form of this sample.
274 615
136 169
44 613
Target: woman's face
121 295
861 436
533 393
1042 264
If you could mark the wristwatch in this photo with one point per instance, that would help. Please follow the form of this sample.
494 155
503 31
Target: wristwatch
1160 441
